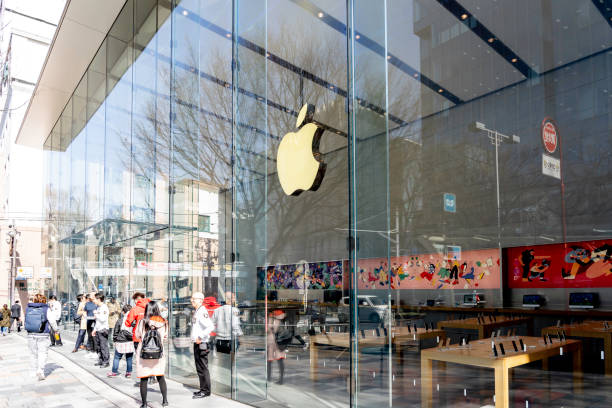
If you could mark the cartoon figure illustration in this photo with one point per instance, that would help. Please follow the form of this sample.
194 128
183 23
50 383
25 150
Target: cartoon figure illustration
454 273
428 273
526 259
537 270
580 258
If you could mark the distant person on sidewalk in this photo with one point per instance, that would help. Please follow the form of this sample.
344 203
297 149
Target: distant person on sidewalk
16 315
89 308
100 331
201 327
81 320
114 312
56 308
38 323
124 345
5 322
151 358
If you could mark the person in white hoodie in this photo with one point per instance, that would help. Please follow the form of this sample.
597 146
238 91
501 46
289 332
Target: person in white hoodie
56 310
100 331
201 327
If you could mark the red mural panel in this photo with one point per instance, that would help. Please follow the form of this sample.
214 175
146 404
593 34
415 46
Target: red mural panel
586 264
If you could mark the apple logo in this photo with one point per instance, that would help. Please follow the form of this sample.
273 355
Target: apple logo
298 160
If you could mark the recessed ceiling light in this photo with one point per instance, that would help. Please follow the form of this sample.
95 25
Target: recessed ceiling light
440 90
357 36
416 75
388 57
491 39
514 59
320 14
185 12
464 16
228 35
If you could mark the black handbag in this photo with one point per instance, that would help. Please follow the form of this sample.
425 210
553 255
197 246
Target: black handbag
224 346
283 336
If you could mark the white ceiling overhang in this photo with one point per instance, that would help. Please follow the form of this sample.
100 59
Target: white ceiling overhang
82 28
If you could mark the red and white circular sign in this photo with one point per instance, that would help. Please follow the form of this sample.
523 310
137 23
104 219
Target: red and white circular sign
549 135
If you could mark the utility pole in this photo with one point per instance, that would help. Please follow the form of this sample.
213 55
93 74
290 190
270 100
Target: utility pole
12 241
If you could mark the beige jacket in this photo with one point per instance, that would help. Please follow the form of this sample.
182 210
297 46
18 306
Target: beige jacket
149 368
81 312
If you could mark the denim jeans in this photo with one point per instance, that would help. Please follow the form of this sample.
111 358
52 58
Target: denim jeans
4 330
80 339
117 359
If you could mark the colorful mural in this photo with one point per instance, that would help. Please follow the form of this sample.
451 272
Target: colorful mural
306 275
585 264
473 269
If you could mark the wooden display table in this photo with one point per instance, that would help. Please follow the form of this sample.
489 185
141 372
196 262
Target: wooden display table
479 354
400 338
486 326
591 329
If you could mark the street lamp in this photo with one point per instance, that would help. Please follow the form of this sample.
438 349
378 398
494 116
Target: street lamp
496 139
12 233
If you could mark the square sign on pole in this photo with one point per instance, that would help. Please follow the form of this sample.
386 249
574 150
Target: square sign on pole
551 166
450 203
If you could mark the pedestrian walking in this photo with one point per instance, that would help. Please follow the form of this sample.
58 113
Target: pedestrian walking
124 345
38 323
5 319
16 315
201 327
114 312
89 308
81 320
56 309
276 335
151 331
100 331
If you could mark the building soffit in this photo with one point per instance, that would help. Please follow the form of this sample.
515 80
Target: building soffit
80 32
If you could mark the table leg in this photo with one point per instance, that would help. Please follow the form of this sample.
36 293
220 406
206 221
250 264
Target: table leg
502 391
482 333
577 362
314 356
426 383
608 354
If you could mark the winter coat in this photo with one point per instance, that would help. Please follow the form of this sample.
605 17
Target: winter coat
136 313
114 311
6 317
81 312
274 351
148 368
16 311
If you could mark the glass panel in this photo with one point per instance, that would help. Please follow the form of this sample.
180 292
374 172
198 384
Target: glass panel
292 243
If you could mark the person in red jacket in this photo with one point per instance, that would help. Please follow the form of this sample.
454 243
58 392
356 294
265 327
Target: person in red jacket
136 314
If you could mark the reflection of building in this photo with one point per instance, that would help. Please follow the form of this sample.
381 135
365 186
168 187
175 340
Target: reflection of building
160 148
26 29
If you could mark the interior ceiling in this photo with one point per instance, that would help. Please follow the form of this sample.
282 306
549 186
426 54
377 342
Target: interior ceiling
476 47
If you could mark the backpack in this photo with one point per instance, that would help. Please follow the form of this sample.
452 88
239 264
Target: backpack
36 319
152 348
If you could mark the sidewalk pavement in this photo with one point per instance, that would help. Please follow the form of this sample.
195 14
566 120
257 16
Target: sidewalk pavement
71 382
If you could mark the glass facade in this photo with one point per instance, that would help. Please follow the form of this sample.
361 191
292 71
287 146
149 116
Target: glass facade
422 188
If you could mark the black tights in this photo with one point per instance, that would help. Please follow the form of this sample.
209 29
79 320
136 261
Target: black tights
281 369
162 387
